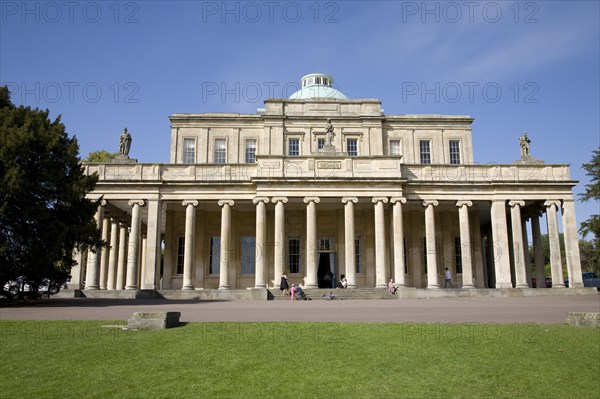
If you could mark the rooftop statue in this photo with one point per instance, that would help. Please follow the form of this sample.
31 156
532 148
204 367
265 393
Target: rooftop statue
329 135
524 142
124 142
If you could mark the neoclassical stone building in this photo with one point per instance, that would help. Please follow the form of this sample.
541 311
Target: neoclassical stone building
319 186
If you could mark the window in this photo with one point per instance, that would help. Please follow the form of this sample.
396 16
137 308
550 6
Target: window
318 81
189 150
215 255
454 152
180 254
425 253
294 255
425 151
320 144
405 257
294 147
251 151
352 147
220 151
395 148
457 255
358 256
248 255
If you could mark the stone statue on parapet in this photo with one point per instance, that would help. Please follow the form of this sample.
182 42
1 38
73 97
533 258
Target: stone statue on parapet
124 142
526 157
524 142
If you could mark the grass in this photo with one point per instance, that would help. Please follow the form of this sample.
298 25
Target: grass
81 359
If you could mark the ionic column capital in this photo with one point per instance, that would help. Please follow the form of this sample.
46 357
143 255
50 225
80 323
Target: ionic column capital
426 203
401 200
551 203
226 202
462 203
384 200
514 203
316 200
283 200
189 202
264 200
137 202
345 200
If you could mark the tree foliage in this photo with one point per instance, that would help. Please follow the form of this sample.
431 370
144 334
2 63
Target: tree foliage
44 213
592 192
100 156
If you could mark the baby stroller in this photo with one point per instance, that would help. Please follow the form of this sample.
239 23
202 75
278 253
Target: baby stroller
300 294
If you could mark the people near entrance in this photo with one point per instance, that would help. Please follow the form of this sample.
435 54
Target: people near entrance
392 288
344 282
293 291
448 279
284 285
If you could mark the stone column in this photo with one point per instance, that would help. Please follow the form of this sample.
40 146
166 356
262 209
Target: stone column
105 253
76 271
398 229
349 238
122 261
553 237
188 255
571 244
92 274
134 244
432 271
538 251
381 280
142 259
113 254
500 242
152 251
518 247
225 238
465 243
311 241
260 257
280 241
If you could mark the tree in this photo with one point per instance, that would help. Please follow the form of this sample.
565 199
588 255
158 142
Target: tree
101 156
592 192
44 212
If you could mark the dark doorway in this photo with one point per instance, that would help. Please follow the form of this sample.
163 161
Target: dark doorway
325 276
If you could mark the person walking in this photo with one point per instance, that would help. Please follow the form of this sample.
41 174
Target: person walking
284 285
448 279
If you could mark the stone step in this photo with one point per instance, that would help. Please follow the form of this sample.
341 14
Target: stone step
357 293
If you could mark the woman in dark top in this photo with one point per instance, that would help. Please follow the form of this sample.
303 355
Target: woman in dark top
284 286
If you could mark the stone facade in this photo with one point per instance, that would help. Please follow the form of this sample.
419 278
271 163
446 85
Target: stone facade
246 198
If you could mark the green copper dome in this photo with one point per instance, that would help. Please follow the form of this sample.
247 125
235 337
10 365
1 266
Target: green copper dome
317 85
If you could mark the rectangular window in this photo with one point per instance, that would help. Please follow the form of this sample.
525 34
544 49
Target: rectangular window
215 255
251 151
220 151
425 151
189 150
454 152
405 257
395 148
457 255
358 256
248 255
294 255
294 147
425 253
320 144
352 147
180 254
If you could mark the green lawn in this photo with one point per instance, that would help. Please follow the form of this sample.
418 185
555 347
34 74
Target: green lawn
81 359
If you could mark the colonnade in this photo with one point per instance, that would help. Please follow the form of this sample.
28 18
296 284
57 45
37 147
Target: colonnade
117 266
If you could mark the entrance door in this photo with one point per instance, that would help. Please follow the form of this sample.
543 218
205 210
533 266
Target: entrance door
327 270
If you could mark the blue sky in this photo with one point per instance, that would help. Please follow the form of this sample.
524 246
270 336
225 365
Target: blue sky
514 66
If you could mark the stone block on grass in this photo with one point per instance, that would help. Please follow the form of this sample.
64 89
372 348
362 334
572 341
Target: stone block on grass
154 320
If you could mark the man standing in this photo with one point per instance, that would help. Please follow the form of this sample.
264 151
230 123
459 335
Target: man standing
448 280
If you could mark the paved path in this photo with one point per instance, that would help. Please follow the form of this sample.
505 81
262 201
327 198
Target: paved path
549 310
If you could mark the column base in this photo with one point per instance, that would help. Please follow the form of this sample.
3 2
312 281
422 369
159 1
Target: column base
522 286
558 285
92 287
311 286
504 285
260 287
381 286
223 287
351 287
468 287
433 286
130 288
188 288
